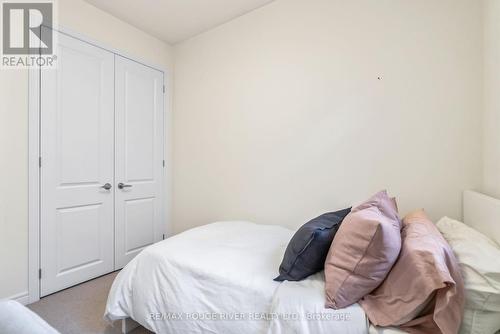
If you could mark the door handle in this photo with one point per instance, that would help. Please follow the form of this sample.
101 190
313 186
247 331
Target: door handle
122 185
107 186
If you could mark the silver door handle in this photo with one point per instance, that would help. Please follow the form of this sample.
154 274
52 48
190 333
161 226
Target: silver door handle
123 185
107 186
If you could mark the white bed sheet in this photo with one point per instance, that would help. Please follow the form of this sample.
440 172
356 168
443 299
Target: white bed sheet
306 300
385 330
218 278
18 319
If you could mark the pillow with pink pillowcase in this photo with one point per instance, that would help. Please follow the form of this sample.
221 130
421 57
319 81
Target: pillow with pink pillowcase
363 251
424 292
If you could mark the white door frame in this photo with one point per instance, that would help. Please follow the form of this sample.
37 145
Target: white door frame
34 161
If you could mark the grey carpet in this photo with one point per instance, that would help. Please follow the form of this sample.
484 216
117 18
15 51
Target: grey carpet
79 310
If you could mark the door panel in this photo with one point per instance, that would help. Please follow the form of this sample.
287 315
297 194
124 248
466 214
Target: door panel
75 224
138 158
139 121
77 124
139 223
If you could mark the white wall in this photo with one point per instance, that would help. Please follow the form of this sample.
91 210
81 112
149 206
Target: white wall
98 26
491 176
279 115
274 110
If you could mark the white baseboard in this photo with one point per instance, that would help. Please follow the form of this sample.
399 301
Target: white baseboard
22 297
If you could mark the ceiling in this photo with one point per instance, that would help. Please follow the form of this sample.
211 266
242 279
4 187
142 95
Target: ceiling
174 21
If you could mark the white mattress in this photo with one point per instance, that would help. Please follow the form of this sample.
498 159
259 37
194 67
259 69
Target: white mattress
218 278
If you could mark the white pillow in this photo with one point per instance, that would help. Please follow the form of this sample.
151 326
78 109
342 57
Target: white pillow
479 259
480 322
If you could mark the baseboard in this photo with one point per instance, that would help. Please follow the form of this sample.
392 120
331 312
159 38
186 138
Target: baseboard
22 297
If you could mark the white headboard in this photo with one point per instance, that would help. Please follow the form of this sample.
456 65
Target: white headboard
482 213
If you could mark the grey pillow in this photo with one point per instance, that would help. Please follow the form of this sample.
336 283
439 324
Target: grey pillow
306 252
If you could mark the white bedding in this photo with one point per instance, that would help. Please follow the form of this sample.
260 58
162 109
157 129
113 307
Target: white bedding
218 278
18 319
385 330
307 299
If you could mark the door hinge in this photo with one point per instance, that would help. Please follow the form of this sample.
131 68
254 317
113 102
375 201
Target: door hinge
39 161
39 273
163 163
163 89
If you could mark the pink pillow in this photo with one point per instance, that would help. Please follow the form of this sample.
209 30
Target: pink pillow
424 291
363 251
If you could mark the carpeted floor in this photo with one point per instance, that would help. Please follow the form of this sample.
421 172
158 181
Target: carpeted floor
79 310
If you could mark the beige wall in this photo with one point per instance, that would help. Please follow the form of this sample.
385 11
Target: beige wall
279 114
87 20
491 179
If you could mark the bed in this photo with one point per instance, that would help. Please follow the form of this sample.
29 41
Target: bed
218 278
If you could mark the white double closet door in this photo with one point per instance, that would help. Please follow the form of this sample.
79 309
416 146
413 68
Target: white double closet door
101 144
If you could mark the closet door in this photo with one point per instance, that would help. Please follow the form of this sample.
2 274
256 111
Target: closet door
139 158
77 156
